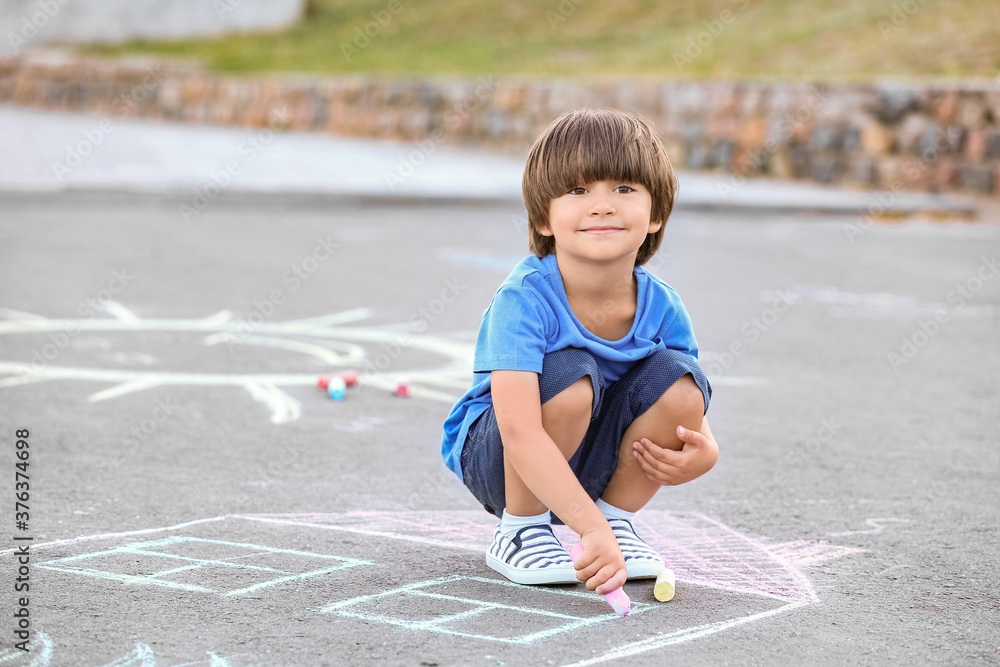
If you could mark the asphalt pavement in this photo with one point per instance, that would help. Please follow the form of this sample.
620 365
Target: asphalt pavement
195 500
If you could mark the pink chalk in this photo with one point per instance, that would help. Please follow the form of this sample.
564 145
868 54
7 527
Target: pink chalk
618 599
401 386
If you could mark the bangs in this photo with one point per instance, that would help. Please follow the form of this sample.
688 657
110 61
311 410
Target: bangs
601 147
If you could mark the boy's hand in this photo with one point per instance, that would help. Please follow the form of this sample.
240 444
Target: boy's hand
669 467
601 565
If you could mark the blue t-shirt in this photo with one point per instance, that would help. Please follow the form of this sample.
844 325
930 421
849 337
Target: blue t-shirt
530 317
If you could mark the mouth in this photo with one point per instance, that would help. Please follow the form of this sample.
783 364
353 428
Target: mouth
602 230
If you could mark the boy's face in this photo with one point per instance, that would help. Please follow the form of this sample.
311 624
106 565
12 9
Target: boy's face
601 221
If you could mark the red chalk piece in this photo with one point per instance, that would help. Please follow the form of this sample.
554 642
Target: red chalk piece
350 379
401 387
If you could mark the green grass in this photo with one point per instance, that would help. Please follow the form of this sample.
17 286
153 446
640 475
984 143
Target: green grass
764 39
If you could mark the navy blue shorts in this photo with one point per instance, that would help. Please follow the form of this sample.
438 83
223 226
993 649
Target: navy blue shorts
616 406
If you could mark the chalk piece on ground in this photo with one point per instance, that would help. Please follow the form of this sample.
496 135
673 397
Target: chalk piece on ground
401 386
336 388
350 379
618 599
663 589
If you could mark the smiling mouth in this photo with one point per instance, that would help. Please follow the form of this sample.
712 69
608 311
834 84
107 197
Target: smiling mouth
602 230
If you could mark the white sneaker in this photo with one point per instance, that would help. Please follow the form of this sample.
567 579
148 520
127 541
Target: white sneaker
532 556
641 562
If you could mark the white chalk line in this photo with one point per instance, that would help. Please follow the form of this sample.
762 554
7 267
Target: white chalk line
41 658
875 523
124 388
119 312
480 607
141 656
353 355
110 536
361 531
11 314
148 549
685 635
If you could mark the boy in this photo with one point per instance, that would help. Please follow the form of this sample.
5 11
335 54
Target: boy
588 395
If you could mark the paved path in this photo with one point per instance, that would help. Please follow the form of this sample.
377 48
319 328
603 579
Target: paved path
169 298
195 501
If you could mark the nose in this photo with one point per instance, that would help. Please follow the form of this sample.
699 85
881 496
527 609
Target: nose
602 207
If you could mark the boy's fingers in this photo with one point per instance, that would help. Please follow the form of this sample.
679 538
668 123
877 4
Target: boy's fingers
661 459
616 581
656 453
607 579
655 474
587 571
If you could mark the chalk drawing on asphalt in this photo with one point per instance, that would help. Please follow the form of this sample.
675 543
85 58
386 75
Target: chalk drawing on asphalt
41 651
108 564
450 613
329 340
877 526
699 549
703 552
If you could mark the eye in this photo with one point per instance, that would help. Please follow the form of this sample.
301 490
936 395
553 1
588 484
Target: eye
578 190
628 188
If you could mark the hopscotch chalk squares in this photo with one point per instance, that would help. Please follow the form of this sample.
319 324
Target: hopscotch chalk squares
445 606
177 562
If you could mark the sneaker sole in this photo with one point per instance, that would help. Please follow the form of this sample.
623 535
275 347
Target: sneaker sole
560 575
644 569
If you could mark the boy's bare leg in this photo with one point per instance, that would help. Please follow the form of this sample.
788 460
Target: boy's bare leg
565 417
682 404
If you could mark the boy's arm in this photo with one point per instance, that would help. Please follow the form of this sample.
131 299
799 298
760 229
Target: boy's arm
670 467
546 473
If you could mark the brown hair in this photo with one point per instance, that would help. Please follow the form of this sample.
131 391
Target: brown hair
589 144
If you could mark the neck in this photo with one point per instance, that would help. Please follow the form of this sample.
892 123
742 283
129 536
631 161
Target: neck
597 282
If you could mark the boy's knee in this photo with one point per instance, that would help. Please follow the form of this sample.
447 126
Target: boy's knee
578 399
685 397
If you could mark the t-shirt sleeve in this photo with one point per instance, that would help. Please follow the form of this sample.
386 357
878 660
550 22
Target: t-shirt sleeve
512 335
678 334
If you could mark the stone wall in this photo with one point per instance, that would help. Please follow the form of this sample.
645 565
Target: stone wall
933 137
26 22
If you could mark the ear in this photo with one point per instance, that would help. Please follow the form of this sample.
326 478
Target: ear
654 226
545 230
